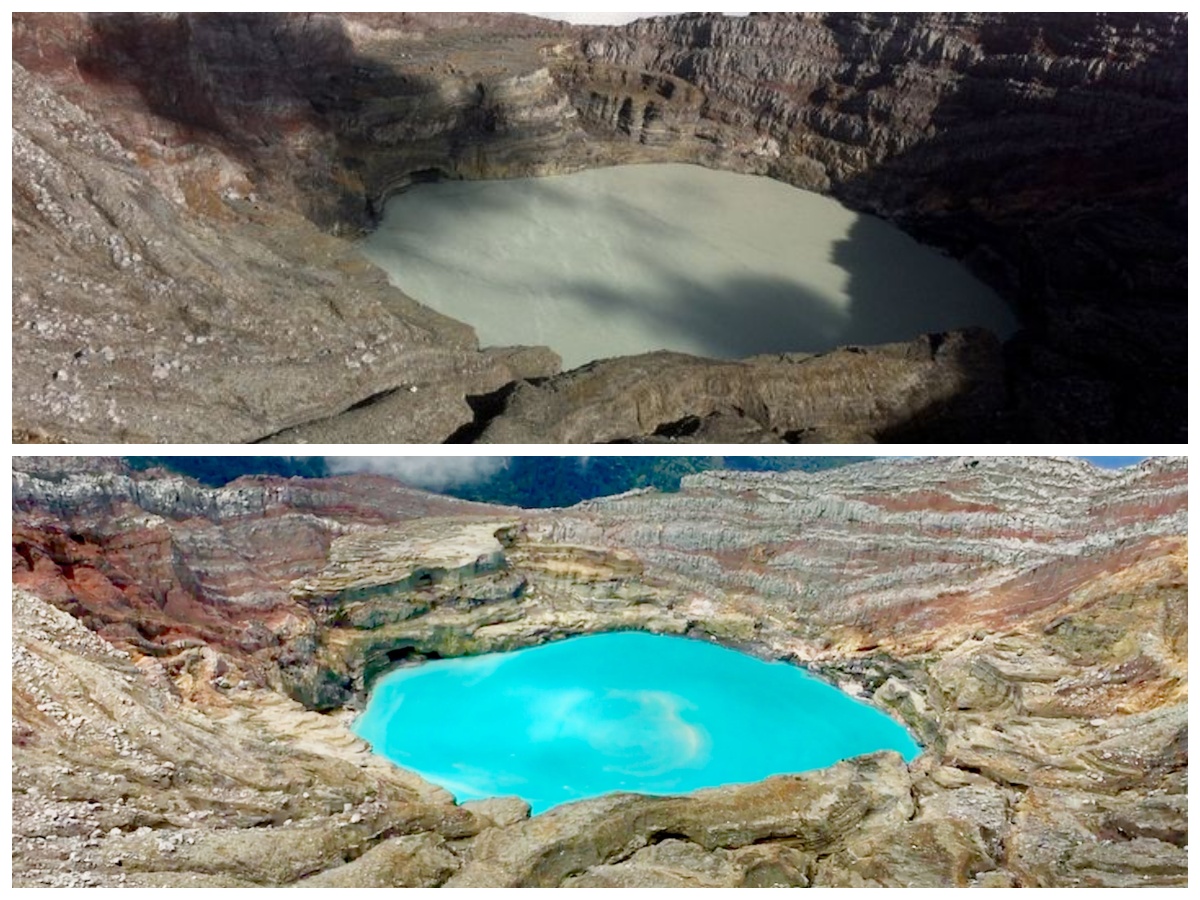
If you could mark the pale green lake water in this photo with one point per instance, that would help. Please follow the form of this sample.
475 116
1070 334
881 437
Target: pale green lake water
630 259
615 712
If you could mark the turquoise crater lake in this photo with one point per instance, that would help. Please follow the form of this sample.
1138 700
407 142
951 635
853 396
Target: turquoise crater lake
615 712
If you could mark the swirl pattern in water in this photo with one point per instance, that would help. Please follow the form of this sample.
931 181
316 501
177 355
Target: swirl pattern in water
630 259
615 712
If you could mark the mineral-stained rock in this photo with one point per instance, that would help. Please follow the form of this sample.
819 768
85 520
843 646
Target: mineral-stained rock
224 351
1057 843
955 836
184 186
679 863
1027 618
773 865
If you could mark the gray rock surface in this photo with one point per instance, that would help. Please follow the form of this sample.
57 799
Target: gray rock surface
184 187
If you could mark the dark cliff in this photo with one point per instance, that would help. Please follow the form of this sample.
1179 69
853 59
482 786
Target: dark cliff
1047 151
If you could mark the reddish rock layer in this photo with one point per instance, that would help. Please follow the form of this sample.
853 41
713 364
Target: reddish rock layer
161 566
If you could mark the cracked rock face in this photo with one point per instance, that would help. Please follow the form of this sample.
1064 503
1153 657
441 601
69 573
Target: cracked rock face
174 648
185 187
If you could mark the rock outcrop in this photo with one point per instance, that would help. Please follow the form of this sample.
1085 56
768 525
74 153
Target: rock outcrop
175 647
121 781
184 186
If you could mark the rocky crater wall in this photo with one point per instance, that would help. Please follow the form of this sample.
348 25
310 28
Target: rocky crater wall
1046 151
1011 141
1028 618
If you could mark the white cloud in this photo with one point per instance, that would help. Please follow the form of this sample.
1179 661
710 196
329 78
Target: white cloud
430 472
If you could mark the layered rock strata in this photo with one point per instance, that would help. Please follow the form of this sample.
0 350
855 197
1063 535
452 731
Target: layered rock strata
1046 151
173 646
181 183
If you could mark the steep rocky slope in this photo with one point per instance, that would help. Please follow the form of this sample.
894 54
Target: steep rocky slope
175 646
183 183
1047 151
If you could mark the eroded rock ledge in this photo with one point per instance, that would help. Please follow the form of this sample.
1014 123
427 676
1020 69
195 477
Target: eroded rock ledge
183 183
1027 618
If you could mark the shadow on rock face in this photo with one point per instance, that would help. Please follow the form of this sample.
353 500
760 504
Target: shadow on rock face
292 98
1067 187
949 385
221 73
1069 207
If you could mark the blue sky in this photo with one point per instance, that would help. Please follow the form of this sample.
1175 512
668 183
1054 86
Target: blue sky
1113 462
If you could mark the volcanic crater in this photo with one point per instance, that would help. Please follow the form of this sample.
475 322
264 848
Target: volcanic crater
187 189
187 662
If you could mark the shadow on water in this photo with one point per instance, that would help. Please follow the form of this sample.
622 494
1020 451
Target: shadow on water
1085 230
608 263
525 197
899 289
636 277
738 317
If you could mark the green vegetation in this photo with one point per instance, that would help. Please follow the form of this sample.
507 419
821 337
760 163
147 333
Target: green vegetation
528 481
541 481
215 471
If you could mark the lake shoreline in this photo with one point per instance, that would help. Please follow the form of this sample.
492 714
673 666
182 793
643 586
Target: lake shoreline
624 260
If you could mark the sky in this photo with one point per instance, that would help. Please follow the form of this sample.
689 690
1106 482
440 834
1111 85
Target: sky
1113 462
